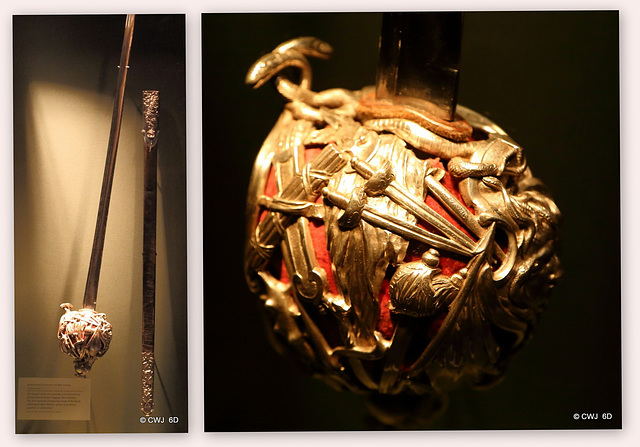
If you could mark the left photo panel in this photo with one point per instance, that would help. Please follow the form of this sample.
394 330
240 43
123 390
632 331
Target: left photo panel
100 226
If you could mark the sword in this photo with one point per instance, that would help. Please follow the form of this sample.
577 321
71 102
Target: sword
86 334
150 99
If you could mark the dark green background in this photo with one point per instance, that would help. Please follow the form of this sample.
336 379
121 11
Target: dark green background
550 79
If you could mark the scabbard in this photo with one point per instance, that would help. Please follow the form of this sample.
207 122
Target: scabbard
150 102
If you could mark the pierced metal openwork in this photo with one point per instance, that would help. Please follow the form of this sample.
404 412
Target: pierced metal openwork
391 255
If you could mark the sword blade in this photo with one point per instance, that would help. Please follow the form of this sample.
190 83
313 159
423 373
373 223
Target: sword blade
95 262
419 60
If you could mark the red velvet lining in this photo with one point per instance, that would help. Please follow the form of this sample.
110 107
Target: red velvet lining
449 265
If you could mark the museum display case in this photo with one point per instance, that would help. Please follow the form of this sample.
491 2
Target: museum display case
88 87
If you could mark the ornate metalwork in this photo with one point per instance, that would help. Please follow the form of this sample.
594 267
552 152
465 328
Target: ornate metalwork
393 255
150 99
85 335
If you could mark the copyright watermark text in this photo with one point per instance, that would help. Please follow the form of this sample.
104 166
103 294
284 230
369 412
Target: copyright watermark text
592 416
159 420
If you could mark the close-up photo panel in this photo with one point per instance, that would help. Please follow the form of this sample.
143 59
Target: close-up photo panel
399 229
